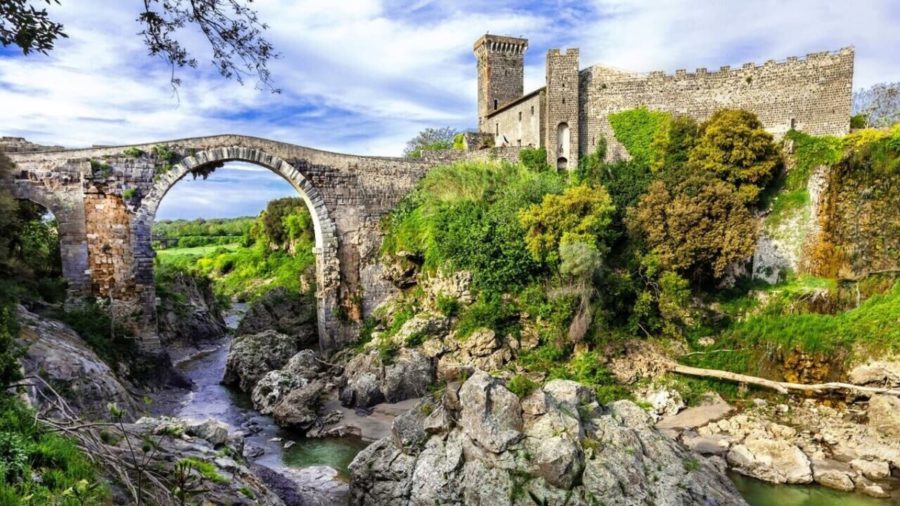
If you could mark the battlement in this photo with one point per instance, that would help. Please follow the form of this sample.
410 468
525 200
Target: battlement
811 59
501 44
572 52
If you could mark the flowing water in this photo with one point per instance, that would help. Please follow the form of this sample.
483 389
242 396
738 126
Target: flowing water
210 399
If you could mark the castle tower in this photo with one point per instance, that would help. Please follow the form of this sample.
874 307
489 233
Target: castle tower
562 108
501 72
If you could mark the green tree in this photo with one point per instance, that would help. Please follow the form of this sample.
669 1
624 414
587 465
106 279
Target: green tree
698 228
581 213
735 148
231 28
672 145
430 139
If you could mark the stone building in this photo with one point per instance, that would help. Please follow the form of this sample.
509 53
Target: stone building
569 114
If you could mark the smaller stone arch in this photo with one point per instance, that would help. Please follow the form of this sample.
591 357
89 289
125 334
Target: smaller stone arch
326 238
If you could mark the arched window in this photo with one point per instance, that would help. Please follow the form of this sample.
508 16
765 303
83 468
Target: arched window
562 145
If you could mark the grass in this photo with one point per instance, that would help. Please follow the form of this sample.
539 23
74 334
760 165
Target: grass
178 255
41 466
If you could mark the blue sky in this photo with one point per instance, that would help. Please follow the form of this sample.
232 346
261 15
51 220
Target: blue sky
363 76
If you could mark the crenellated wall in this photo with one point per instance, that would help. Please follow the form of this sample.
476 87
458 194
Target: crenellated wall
810 94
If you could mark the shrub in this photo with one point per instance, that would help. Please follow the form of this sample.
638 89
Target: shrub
698 228
635 129
672 145
734 147
488 311
133 152
128 193
521 385
448 306
580 213
534 159
860 120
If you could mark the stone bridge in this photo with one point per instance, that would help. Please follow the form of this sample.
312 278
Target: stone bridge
105 200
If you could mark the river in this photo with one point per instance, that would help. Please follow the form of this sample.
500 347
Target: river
211 399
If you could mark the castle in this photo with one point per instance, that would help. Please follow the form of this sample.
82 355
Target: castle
568 115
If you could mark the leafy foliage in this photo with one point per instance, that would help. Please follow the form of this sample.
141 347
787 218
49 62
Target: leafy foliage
534 159
579 214
698 228
430 139
24 25
734 146
672 145
636 129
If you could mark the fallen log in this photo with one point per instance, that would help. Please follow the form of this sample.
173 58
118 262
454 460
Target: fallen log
782 386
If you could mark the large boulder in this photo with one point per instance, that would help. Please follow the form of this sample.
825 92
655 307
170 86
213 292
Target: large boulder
884 415
299 409
55 353
369 380
772 460
283 311
271 388
493 449
252 356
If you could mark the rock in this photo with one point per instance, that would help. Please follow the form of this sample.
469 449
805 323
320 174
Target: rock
402 268
299 408
456 285
252 356
285 312
269 390
873 470
706 445
310 486
491 414
419 327
884 414
482 456
775 461
188 313
364 375
211 430
713 408
408 377
882 373
663 401
480 343
639 360
408 431
56 353
833 474
706 341
871 489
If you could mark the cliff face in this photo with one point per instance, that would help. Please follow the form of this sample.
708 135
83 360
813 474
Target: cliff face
188 312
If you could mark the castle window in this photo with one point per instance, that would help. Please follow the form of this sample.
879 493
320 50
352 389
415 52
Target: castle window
532 110
520 115
793 123
498 128
564 101
496 104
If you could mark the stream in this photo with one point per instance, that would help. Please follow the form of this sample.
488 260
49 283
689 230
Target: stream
210 399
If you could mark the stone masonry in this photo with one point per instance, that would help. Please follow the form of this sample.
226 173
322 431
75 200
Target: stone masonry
106 198
811 94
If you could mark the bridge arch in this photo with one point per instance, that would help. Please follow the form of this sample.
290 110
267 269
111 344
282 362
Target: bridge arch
326 236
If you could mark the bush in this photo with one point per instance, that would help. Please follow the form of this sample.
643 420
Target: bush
521 385
534 159
734 147
635 129
860 120
580 213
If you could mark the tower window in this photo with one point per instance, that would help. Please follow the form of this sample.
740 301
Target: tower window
532 110
793 123
564 100
498 129
520 115
496 104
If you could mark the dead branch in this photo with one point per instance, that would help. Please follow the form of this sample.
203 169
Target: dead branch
782 386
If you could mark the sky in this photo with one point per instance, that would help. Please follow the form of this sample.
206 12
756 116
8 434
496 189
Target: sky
364 76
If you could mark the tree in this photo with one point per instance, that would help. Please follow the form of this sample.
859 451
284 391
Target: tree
430 139
232 29
879 104
580 214
698 228
672 145
734 146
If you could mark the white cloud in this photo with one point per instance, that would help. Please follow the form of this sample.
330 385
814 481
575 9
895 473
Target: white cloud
364 76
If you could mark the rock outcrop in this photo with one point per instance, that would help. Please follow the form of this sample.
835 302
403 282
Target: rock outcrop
188 313
482 445
369 380
252 356
60 357
285 312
